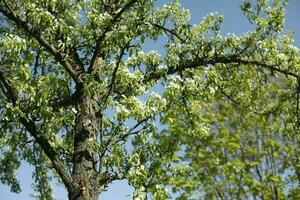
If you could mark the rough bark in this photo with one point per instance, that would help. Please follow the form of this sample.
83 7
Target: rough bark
85 186
84 183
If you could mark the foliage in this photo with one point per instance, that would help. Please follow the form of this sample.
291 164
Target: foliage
211 116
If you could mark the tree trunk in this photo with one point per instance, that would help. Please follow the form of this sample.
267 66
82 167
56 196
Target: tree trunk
85 184
75 195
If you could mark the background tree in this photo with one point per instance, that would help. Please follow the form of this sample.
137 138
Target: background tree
212 117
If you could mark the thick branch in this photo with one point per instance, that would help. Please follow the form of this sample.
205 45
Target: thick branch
66 101
7 88
41 139
9 13
108 28
225 60
48 149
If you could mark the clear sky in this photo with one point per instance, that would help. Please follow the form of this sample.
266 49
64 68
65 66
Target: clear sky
234 22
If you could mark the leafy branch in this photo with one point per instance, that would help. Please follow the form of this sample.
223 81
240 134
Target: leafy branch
10 93
8 12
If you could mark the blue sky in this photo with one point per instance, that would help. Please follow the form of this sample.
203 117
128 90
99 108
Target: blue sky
234 22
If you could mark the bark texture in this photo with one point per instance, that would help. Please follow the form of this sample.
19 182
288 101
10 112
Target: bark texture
85 185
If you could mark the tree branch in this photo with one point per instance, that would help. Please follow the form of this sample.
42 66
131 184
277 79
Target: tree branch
7 88
114 74
170 31
48 149
41 139
225 60
66 101
10 14
108 28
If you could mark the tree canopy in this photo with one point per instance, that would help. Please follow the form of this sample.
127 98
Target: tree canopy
212 116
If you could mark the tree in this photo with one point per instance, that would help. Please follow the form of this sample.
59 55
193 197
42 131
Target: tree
79 100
